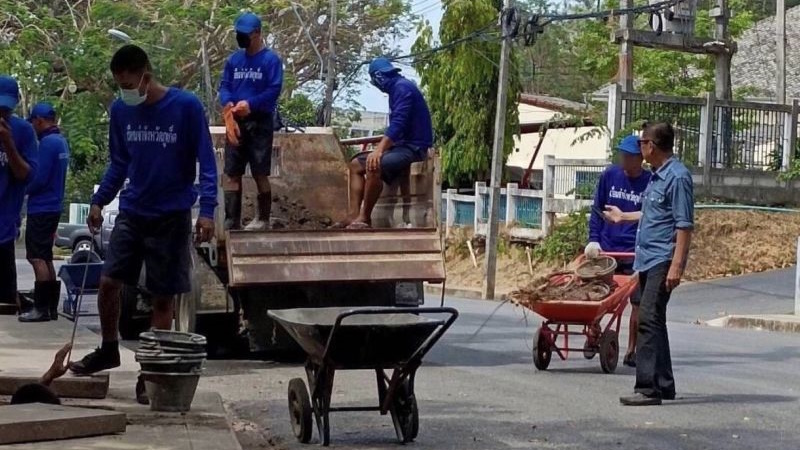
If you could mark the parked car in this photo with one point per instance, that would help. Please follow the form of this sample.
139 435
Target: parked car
76 237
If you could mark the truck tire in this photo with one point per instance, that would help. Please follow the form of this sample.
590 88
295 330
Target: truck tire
131 323
82 243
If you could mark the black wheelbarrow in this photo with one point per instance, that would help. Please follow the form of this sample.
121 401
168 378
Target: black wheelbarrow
356 339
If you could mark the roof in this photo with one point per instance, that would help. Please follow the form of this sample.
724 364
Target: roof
754 65
553 103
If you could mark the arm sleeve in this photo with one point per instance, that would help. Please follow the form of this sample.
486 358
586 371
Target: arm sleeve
267 100
683 203
47 154
400 115
117 170
595 221
30 153
225 94
206 160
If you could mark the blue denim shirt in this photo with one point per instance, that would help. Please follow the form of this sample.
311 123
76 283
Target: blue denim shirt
667 206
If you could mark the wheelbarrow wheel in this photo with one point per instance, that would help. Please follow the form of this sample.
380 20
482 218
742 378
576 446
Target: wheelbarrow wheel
589 350
609 351
542 351
405 414
300 410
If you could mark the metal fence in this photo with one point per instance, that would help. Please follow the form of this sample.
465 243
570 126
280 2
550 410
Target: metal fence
741 135
683 113
577 181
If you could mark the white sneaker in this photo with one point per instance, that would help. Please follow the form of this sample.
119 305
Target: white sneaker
256 225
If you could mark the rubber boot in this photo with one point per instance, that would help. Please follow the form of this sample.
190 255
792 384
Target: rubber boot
41 308
233 210
54 298
261 222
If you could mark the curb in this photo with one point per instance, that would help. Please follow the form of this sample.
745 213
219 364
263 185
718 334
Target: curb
787 323
465 293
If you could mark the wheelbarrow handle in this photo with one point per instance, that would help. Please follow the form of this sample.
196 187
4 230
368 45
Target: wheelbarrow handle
453 315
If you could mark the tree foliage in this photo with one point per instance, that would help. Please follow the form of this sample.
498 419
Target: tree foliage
460 83
49 45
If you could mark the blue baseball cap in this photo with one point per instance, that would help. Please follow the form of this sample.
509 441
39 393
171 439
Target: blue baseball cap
630 145
247 23
42 110
9 92
382 65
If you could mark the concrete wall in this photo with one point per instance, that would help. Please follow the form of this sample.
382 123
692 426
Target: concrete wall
747 186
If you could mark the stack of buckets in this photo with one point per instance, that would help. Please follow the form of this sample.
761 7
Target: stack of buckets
171 364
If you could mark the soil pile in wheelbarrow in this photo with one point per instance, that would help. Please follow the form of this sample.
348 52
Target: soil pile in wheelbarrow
286 213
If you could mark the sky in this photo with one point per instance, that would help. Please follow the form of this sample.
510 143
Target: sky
371 98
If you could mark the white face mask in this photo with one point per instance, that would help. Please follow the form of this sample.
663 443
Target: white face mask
132 97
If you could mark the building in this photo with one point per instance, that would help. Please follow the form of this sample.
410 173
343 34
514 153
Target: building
585 142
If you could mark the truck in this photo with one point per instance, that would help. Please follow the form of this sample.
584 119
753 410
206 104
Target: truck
76 236
241 275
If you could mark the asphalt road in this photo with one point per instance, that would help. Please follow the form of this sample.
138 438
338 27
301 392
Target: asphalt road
737 389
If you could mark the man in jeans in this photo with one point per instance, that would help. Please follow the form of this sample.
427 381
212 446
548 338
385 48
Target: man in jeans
662 247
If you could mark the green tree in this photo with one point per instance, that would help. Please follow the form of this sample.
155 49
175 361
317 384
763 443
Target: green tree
52 45
460 83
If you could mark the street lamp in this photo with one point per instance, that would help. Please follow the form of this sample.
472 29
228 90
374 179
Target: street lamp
124 37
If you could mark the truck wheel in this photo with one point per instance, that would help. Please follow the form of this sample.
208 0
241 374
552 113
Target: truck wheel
129 324
186 310
80 244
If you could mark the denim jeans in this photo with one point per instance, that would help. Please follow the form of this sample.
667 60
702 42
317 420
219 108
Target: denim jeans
653 363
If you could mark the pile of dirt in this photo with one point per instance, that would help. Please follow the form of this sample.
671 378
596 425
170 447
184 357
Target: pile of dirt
562 285
728 243
286 213
725 243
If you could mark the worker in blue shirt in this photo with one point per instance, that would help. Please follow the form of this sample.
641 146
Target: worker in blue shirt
620 185
45 202
157 136
407 140
18 155
662 249
249 90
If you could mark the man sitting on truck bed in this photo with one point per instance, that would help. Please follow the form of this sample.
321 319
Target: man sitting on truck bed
156 137
407 140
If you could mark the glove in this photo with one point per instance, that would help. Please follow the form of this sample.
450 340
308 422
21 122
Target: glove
592 250
242 109
232 132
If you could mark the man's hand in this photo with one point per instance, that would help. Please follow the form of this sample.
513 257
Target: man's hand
374 161
5 130
673 277
612 214
242 109
59 366
204 230
95 219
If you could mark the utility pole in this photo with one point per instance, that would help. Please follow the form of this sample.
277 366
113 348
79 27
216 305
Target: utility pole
497 159
330 80
780 36
625 71
722 59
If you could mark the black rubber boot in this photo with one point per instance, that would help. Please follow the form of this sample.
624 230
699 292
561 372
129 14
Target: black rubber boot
54 298
41 308
233 210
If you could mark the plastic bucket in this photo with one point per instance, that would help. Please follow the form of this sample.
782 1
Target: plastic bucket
170 392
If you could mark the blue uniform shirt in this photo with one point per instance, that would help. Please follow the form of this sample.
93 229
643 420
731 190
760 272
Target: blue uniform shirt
617 189
46 191
667 206
409 117
257 79
157 147
12 191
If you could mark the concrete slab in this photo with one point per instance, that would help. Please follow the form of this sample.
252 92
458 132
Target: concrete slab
788 323
67 386
38 422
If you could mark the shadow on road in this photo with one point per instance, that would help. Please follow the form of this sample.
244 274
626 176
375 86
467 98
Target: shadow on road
743 399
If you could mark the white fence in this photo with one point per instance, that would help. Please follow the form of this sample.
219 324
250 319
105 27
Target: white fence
526 213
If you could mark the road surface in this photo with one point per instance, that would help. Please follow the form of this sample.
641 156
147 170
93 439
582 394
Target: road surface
737 389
